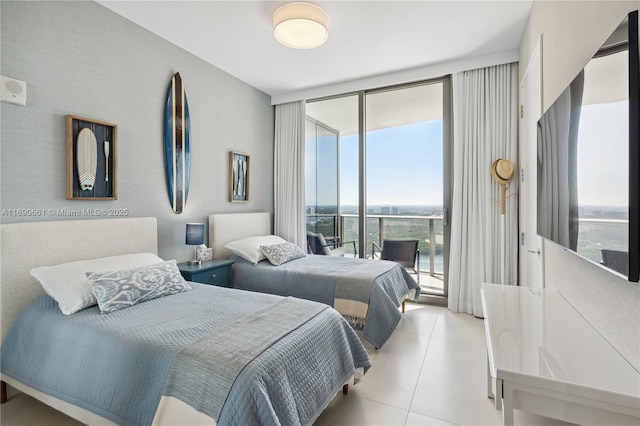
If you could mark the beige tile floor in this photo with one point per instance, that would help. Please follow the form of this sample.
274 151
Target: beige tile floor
432 371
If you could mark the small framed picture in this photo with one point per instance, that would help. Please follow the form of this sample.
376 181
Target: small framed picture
92 159
238 177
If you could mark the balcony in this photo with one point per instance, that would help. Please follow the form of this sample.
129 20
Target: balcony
428 230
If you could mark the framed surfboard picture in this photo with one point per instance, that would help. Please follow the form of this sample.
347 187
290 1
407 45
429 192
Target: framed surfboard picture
92 159
238 177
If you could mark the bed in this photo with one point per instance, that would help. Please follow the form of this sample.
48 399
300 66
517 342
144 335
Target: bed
367 293
178 359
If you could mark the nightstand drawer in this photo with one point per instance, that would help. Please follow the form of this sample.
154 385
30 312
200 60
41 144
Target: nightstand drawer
214 276
212 272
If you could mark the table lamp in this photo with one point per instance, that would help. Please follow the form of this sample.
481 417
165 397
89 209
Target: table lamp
195 237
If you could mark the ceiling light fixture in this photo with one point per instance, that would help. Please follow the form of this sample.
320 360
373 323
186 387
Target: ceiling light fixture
300 25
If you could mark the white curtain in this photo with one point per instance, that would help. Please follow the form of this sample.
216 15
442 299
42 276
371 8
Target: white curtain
288 170
485 105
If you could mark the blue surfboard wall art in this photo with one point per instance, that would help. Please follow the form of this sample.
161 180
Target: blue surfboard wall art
177 144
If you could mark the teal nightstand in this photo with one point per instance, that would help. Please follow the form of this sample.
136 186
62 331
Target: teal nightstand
214 272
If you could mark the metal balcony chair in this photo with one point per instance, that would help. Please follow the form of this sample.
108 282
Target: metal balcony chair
404 252
616 260
317 244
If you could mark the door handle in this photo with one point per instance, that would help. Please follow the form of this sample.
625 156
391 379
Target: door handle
445 220
535 251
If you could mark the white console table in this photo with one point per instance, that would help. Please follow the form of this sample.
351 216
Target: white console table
545 358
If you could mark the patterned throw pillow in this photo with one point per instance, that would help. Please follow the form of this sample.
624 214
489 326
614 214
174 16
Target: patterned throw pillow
282 253
116 290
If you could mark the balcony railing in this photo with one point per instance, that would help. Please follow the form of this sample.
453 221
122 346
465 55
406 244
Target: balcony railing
428 231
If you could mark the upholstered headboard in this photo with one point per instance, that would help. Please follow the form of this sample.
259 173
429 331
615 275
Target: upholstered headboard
25 246
227 227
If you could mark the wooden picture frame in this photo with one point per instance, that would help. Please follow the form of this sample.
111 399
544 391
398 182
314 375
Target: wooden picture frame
94 157
239 177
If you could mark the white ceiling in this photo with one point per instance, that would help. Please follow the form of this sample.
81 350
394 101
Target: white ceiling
366 38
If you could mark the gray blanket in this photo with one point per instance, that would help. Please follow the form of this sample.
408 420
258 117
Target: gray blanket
380 285
117 365
353 287
203 373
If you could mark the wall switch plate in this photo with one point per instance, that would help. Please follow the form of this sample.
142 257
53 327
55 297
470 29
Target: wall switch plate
13 91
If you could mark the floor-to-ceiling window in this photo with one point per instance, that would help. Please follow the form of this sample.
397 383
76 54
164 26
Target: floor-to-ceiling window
405 179
321 177
393 152
341 115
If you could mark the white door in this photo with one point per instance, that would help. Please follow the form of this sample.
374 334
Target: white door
530 253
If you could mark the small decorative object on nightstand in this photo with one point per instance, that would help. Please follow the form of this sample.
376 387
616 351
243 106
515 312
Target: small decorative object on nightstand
204 253
214 272
195 237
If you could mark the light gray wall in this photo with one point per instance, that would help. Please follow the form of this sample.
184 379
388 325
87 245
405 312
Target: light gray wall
571 33
610 303
80 58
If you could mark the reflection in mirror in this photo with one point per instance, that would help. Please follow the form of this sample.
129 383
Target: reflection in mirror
585 200
603 156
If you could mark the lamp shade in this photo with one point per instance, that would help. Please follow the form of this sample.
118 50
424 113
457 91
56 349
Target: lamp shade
300 25
195 234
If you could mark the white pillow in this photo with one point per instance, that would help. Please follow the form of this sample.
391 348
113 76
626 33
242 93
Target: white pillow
67 283
249 248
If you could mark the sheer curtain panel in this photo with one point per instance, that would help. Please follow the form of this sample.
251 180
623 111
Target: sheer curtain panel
288 174
485 105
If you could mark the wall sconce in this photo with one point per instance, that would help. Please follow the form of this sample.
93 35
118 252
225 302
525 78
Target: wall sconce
195 237
300 25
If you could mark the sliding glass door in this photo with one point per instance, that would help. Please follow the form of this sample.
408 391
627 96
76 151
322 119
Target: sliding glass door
392 170
405 173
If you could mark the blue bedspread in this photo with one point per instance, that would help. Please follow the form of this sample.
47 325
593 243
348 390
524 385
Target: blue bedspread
322 279
117 365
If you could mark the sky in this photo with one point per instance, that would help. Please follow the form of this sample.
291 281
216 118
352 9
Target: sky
404 166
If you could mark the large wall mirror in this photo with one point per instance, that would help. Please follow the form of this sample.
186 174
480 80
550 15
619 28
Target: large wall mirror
589 158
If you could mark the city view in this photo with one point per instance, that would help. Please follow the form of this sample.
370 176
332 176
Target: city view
599 227
397 221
